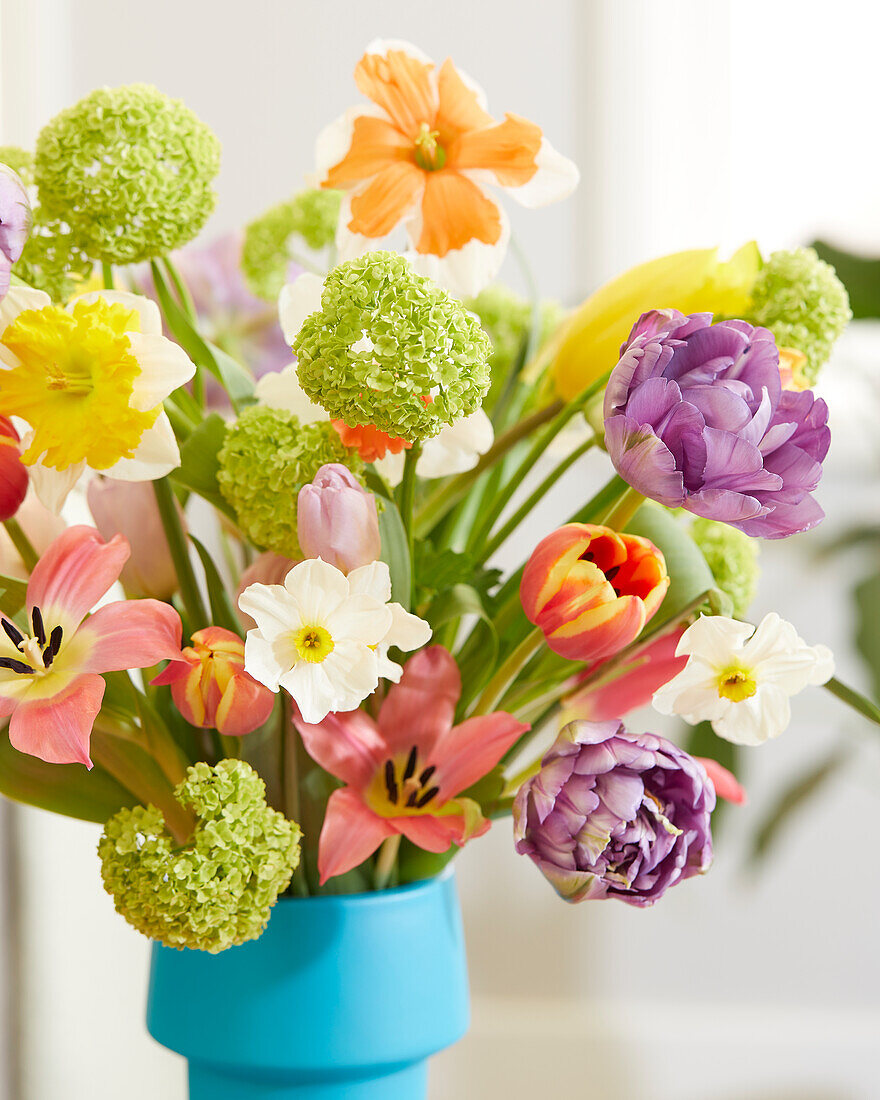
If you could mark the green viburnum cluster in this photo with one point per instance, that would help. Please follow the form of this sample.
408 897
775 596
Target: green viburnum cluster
801 300
266 458
129 170
217 889
733 559
52 261
311 215
390 348
19 160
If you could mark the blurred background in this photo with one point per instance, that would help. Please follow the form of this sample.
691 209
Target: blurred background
694 124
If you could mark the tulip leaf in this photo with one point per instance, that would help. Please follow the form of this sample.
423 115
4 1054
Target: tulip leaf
395 551
68 789
859 274
13 594
415 864
222 612
689 574
199 464
867 600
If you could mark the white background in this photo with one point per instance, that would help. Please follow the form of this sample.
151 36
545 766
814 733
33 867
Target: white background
694 122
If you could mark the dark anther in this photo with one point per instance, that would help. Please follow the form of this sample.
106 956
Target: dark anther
426 797
410 763
587 556
391 782
51 650
411 801
610 574
14 666
426 774
39 629
13 633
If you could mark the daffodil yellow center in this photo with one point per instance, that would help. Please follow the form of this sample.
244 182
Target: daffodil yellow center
74 382
430 155
736 684
313 643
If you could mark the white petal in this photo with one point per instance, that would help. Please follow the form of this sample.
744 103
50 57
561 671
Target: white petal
391 467
407 631
353 670
371 580
556 178
466 271
388 669
714 638
360 619
146 308
53 486
18 299
823 669
696 675
319 588
310 687
772 636
281 390
457 447
756 719
296 301
164 367
156 455
260 661
272 608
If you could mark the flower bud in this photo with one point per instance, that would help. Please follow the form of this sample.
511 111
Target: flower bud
591 590
129 508
337 519
13 472
210 687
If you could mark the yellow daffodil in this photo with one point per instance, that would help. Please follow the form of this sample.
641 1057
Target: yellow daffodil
588 343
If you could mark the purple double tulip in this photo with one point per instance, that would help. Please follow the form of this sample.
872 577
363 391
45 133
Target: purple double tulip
15 223
696 418
615 814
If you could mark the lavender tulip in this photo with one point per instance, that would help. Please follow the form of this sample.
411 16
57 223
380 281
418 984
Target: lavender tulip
613 814
15 223
696 418
337 519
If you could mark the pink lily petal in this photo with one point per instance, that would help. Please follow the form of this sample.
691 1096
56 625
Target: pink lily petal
73 574
726 784
57 730
131 634
348 745
434 834
421 707
351 833
174 671
467 752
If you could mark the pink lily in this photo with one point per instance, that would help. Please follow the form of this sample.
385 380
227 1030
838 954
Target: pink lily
50 682
726 785
405 772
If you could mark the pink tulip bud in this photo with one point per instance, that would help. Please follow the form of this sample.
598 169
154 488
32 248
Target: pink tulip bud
129 508
337 519
210 687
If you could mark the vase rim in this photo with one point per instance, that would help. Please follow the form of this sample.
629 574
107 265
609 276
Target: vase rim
377 897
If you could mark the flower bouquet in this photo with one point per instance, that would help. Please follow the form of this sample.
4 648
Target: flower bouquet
268 645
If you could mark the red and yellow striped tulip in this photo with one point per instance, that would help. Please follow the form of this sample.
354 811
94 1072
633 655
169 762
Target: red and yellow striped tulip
591 590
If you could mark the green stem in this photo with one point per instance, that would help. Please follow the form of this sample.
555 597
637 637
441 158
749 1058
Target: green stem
512 785
290 788
534 296
385 861
22 543
107 275
508 671
854 699
407 497
526 507
622 512
177 544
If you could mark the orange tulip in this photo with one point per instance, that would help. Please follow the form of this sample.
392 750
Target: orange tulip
591 590
210 687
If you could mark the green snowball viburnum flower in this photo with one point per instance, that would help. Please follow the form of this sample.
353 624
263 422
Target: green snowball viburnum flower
266 458
732 558
801 300
218 888
52 260
19 160
311 215
129 170
389 348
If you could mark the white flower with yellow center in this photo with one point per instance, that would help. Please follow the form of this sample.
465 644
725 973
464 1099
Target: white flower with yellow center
324 636
740 678
89 379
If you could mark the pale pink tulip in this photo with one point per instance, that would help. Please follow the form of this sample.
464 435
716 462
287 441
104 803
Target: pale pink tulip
129 508
337 519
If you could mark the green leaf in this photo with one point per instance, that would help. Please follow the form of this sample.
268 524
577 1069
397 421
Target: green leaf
67 789
702 740
437 570
866 596
488 789
13 594
222 611
689 574
415 864
859 274
395 551
199 464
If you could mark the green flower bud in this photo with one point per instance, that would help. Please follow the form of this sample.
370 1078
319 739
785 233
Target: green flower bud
129 170
801 300
266 458
391 349
733 559
217 889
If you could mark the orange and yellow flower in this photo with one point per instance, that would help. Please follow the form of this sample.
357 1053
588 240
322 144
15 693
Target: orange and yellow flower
591 590
419 156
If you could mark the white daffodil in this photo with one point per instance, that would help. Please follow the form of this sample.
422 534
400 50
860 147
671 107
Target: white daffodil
324 637
281 390
455 449
89 380
740 677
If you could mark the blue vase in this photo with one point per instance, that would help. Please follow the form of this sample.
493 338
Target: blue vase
340 997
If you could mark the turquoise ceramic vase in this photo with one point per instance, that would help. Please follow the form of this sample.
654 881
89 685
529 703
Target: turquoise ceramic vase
341 997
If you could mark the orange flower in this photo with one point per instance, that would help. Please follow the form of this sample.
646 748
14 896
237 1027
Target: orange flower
591 590
369 442
419 157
